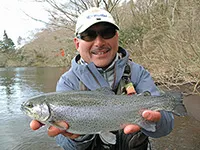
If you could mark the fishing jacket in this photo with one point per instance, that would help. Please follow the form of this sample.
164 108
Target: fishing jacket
83 76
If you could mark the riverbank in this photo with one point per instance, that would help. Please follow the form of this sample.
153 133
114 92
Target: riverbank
164 77
16 59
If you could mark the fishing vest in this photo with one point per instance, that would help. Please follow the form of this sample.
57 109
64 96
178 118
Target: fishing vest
133 141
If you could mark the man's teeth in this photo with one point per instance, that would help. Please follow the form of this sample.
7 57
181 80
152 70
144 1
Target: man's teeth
100 53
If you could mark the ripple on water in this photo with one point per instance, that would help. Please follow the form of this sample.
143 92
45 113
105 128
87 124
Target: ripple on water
16 85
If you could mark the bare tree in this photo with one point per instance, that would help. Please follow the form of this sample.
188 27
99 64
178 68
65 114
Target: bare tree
65 15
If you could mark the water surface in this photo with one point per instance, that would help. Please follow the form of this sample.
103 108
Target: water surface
16 85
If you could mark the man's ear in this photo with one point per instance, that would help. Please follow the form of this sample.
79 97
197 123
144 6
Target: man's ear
117 34
76 43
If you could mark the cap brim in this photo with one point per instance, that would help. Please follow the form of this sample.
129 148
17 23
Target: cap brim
86 26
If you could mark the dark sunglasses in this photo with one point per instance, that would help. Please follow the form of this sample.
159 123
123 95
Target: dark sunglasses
90 35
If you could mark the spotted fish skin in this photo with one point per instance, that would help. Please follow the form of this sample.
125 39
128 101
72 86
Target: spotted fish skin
93 112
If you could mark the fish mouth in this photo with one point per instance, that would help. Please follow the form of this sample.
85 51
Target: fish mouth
25 109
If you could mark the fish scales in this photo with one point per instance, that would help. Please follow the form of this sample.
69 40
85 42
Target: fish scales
91 112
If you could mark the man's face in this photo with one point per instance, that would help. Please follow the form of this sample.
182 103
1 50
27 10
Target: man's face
100 50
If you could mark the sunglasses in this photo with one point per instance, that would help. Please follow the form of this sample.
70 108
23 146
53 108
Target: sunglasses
90 35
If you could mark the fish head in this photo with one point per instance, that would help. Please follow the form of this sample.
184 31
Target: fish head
38 110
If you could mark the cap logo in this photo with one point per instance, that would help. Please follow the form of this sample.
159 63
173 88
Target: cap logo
96 15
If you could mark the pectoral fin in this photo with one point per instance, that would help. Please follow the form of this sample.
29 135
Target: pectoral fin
57 124
108 137
147 125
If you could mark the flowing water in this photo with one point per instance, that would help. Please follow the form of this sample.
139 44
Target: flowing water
18 84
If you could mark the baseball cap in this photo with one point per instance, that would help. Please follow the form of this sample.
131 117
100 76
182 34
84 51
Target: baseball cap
92 16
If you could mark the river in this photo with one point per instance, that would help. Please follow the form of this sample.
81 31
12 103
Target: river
18 84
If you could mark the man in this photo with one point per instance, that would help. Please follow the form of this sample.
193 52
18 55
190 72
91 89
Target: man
102 63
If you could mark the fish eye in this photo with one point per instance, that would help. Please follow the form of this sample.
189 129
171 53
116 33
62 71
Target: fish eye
29 104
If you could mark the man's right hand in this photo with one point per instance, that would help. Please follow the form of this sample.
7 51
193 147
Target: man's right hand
53 131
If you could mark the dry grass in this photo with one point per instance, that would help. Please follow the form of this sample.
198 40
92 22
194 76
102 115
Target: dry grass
170 62
165 39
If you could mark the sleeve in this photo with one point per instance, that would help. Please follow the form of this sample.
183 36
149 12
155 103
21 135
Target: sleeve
163 127
67 82
144 82
81 143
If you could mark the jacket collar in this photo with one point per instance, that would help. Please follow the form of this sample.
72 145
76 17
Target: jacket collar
89 73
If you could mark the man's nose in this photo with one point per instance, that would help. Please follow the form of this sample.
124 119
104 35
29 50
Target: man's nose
99 41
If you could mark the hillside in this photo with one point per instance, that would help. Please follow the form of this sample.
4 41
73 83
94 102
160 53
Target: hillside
44 50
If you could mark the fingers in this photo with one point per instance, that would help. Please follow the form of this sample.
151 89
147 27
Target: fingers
151 115
131 128
35 124
53 131
70 135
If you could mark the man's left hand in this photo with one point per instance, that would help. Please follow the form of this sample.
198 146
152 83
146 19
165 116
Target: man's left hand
149 115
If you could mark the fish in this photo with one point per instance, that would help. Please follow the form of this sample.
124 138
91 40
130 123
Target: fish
100 111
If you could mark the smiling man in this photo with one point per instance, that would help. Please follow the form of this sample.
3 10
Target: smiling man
102 63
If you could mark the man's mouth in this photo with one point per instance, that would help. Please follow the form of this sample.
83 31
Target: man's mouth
100 51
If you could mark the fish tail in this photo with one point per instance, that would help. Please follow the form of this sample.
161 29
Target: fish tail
179 109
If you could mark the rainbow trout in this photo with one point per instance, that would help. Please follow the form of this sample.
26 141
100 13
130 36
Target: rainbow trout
99 111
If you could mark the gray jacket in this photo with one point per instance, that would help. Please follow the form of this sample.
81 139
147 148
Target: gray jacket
93 79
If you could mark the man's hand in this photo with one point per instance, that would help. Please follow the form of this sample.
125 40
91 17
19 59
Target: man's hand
149 115
53 131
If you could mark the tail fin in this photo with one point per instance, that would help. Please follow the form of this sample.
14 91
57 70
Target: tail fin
179 109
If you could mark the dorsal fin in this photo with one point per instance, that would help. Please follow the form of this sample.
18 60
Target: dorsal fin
145 93
105 90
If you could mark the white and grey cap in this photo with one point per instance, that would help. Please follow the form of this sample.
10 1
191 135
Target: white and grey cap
92 16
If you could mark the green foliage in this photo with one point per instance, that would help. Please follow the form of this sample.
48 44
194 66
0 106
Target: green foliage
6 44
